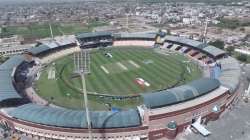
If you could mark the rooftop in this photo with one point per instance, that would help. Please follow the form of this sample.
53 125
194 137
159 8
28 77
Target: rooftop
62 117
179 94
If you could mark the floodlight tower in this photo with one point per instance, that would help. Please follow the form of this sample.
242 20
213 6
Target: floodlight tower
49 15
51 32
127 22
127 11
204 36
82 67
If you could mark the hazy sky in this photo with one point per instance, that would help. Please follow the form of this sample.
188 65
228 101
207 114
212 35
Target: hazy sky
23 1
33 1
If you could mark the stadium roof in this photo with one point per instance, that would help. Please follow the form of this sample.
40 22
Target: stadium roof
181 93
65 40
47 44
230 75
39 49
7 90
58 41
214 51
75 119
196 44
185 41
92 34
12 62
136 35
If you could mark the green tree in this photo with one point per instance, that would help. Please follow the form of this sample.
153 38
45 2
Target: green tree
1 59
218 44
242 29
230 50
4 29
242 57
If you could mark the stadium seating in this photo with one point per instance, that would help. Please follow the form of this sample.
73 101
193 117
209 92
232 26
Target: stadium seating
94 39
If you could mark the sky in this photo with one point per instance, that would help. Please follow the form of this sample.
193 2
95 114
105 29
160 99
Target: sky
24 1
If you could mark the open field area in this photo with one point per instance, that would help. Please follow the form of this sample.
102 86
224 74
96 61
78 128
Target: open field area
43 30
129 72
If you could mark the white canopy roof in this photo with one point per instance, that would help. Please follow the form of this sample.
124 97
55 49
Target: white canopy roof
200 128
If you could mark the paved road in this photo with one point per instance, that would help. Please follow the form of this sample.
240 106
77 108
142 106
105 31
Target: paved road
232 125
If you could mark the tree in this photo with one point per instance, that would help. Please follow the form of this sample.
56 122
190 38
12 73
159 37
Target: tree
1 59
5 135
51 98
218 44
242 29
4 29
242 57
230 50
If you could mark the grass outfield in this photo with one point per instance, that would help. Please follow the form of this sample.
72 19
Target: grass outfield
116 76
